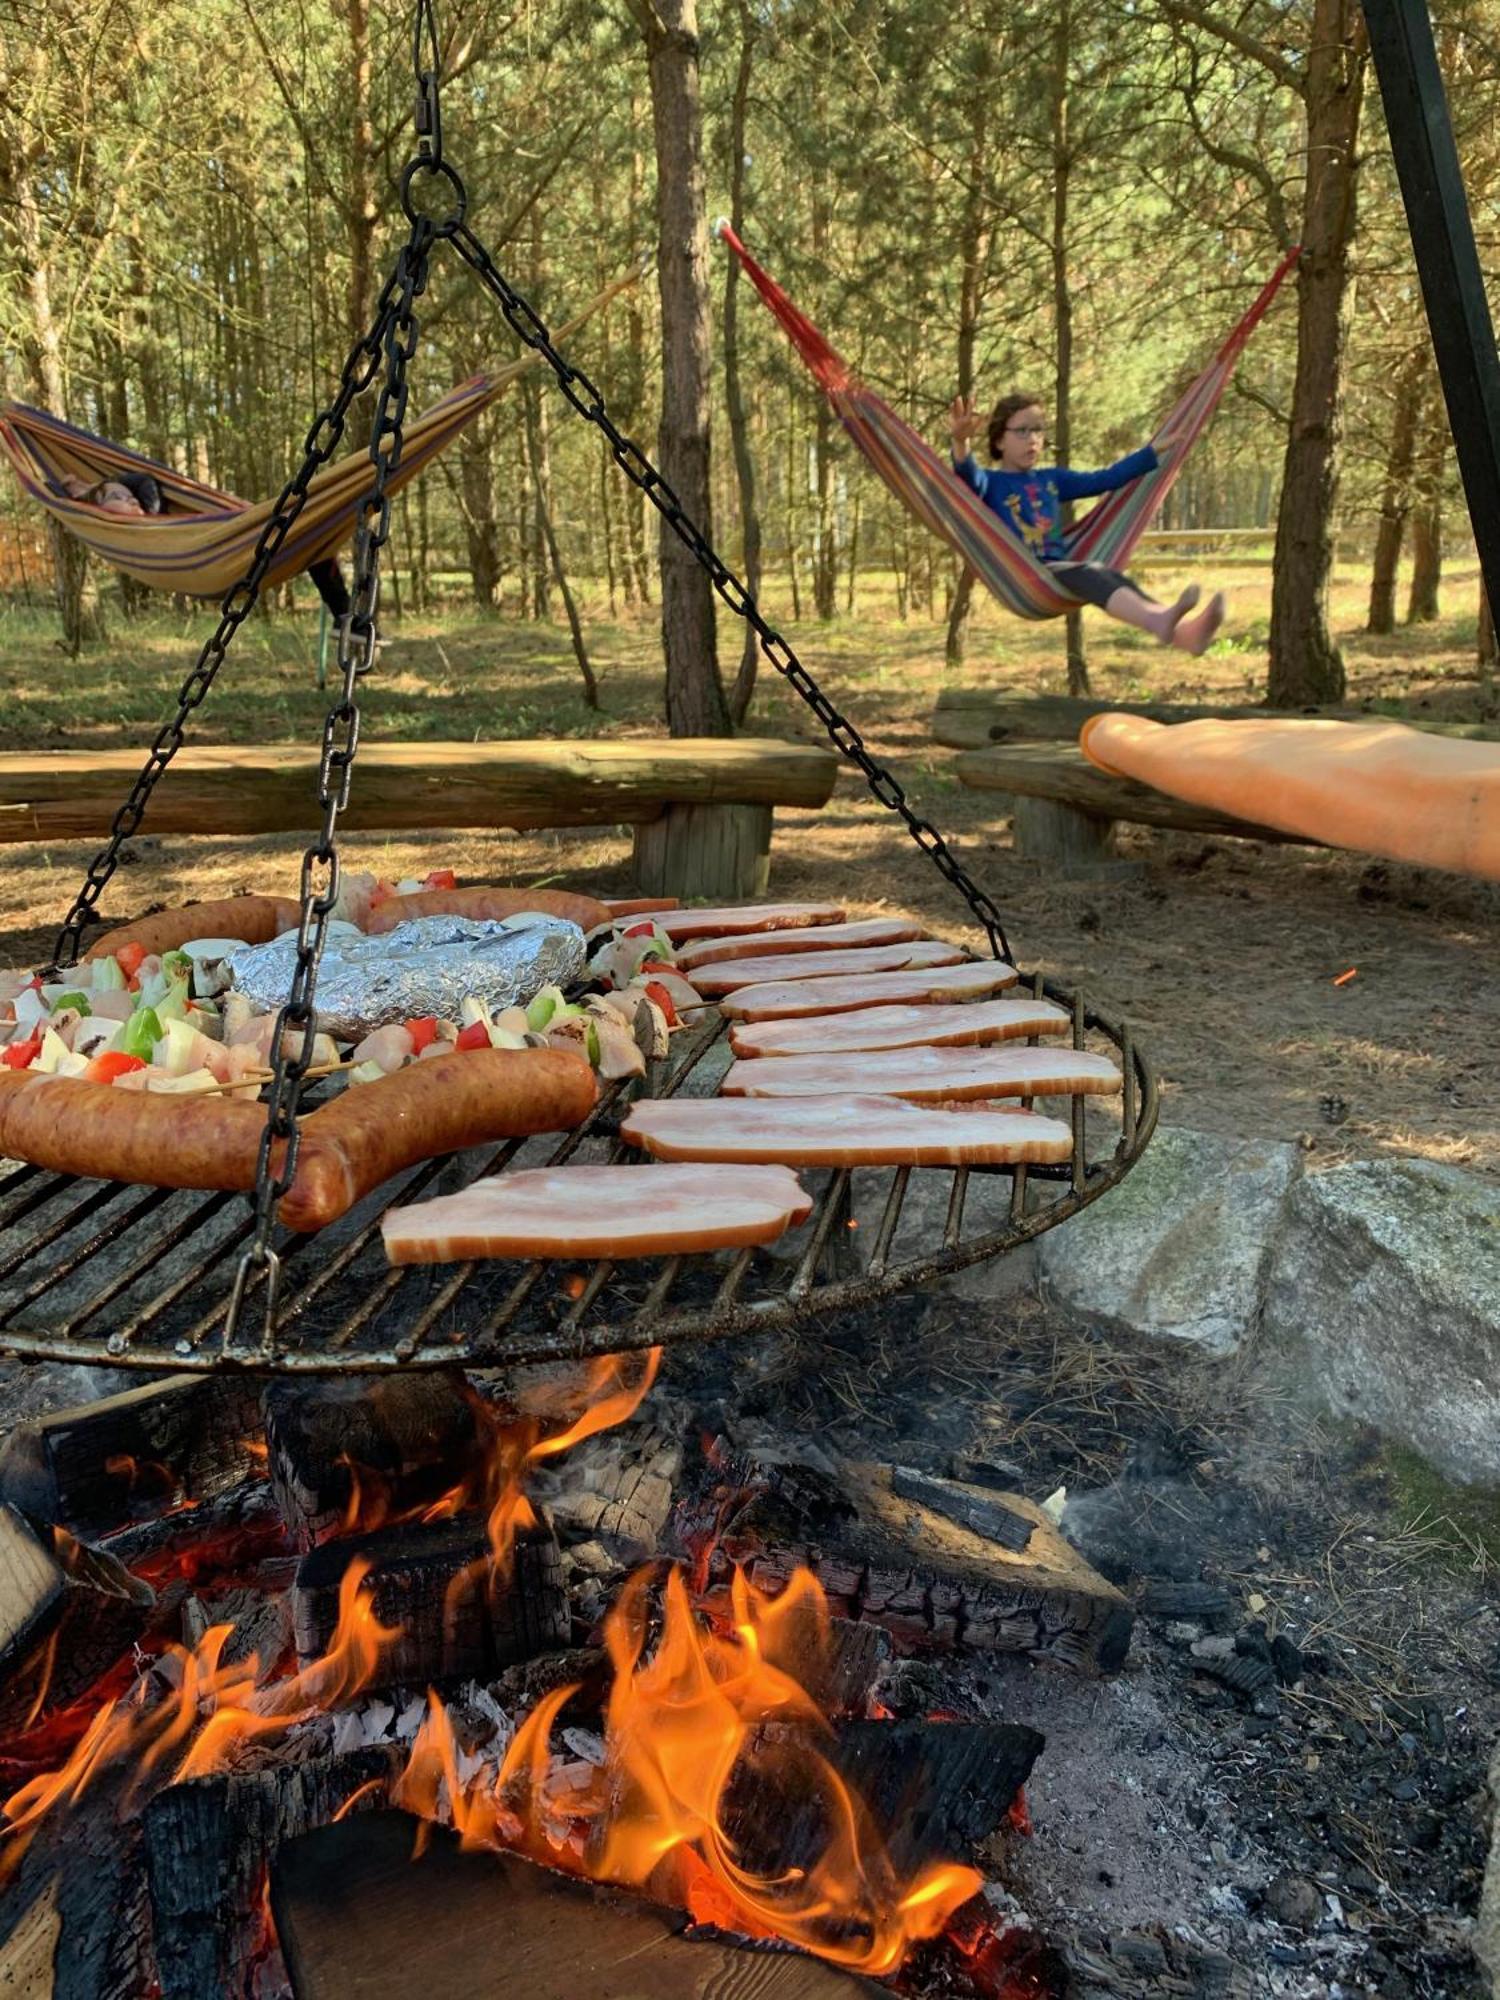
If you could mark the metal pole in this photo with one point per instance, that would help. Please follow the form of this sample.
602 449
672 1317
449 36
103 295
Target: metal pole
1442 234
322 645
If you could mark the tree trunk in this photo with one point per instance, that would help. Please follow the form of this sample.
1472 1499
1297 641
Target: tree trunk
1062 300
739 436
973 248
363 210
536 446
1427 536
1396 495
1486 648
477 499
1306 667
695 694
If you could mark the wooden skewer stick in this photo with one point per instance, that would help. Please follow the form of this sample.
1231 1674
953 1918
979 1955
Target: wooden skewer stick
257 1077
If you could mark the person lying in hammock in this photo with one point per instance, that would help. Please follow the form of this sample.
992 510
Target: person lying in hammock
1029 497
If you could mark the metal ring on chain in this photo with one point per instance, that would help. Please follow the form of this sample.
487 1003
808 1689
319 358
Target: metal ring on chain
439 169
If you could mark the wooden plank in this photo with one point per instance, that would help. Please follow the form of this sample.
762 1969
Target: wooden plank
357 1915
1052 771
272 788
66 1615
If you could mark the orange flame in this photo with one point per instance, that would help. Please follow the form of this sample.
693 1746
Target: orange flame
707 1707
509 1448
209 1708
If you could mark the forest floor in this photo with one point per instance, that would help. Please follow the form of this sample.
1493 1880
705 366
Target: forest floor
1222 955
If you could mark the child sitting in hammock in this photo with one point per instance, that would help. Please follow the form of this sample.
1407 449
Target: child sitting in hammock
1028 497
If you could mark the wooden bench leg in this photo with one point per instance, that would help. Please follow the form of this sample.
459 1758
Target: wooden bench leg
1044 830
710 852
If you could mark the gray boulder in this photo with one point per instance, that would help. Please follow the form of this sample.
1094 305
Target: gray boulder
1179 1250
1385 1291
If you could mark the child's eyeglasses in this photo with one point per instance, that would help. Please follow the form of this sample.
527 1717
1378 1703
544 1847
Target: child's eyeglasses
1026 430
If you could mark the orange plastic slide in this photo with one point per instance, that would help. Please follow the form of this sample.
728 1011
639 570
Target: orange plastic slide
1376 786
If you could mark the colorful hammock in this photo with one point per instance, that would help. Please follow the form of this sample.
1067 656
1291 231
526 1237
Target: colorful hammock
925 482
202 542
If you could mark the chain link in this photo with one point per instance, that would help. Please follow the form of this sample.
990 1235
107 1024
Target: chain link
638 468
396 331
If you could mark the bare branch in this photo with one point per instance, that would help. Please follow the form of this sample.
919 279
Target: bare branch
1185 12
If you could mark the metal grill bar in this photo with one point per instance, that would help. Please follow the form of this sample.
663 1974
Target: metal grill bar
95 1272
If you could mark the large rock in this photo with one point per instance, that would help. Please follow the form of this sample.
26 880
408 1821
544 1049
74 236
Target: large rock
1386 1290
1180 1248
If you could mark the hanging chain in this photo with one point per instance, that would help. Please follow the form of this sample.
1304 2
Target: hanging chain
322 441
638 468
296 1024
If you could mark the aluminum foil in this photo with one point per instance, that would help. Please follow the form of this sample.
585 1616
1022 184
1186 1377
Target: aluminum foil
427 965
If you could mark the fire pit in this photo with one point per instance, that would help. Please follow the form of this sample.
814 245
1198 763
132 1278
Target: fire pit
96 1272
239 1619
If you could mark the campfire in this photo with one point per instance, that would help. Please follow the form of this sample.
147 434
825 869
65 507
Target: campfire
260 1641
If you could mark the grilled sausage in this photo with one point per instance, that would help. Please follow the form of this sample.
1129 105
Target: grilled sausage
255 919
346 1148
472 1098
487 903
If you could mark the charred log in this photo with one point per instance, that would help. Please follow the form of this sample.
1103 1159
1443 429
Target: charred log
339 1450
259 1621
461 1615
209 1843
95 1467
899 1562
67 1613
936 1791
355 1914
997 1520
74 1920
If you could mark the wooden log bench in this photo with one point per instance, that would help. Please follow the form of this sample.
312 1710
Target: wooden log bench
1065 808
701 807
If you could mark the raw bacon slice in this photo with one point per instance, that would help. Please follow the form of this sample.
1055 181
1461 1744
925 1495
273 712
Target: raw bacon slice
588 1212
841 1132
729 973
926 1076
821 937
964 1023
779 998
733 922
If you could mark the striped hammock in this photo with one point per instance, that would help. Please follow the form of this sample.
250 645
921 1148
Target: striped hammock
202 543
924 481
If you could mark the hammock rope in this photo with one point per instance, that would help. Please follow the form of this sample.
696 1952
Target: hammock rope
923 481
202 542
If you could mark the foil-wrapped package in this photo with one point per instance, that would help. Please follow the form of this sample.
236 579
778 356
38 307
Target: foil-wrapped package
427 965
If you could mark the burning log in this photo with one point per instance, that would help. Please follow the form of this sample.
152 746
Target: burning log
67 1613
73 1920
462 1616
209 1842
902 1563
346 1455
260 1622
355 1913
98 1465
938 1790
619 1487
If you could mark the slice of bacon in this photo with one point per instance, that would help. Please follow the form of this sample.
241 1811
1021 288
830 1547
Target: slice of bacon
926 1076
732 922
841 1132
780 998
598 1211
964 1023
819 937
729 973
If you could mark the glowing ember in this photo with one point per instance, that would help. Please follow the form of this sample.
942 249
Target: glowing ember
704 1707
